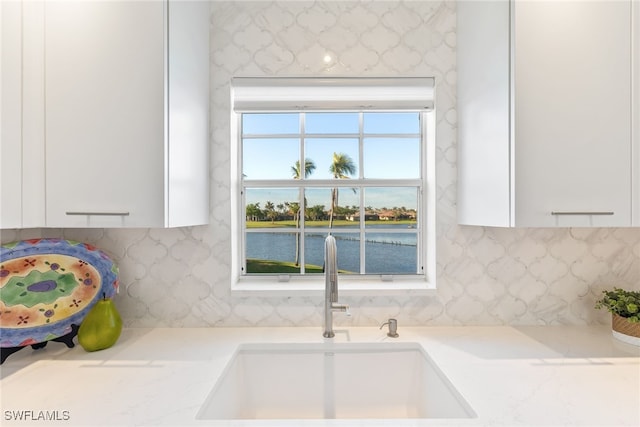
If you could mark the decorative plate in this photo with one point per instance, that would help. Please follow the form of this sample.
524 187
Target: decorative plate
48 285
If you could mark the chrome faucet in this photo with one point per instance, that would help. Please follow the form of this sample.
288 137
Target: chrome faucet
331 286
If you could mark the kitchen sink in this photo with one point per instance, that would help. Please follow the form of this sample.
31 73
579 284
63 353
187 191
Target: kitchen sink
333 381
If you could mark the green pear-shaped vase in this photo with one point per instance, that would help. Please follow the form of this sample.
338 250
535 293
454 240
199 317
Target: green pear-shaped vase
101 327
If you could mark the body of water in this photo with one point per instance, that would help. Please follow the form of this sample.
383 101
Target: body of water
385 253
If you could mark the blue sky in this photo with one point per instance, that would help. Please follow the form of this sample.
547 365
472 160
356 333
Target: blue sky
391 150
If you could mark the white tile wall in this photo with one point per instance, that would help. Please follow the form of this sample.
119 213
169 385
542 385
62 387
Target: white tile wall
180 277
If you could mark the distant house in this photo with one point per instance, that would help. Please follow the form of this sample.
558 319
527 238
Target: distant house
387 215
396 215
384 215
368 216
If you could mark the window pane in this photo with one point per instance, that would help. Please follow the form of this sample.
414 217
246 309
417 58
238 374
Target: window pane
271 253
269 158
348 252
347 248
319 205
270 124
391 253
314 252
335 123
391 123
271 207
325 151
391 205
391 158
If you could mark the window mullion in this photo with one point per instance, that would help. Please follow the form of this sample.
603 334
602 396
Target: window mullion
301 195
363 215
242 201
422 220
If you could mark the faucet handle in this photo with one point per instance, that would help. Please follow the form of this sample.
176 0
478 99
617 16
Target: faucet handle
393 328
336 306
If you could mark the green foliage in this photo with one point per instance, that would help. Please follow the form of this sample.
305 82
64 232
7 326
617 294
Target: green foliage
324 223
623 303
268 266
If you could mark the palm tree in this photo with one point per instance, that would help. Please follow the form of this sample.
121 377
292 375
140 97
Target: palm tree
342 166
253 212
309 167
270 210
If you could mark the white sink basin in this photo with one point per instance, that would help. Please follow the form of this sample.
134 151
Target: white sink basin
327 380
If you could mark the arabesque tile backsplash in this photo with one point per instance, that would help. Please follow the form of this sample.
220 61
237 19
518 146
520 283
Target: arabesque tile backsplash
181 277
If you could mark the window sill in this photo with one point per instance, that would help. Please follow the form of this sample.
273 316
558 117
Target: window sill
268 287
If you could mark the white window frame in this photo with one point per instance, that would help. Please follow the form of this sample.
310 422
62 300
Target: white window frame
335 94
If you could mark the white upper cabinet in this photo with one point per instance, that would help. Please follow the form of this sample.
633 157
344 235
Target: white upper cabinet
21 93
125 110
126 113
10 113
545 113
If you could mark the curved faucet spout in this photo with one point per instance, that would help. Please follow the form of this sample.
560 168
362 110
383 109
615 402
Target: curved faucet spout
331 286
331 267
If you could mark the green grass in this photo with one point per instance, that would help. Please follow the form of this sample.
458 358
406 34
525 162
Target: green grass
261 266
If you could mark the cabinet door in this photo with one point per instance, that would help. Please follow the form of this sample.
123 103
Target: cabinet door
11 116
22 168
105 116
484 169
572 97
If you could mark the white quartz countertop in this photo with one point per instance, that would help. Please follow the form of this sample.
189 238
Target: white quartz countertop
510 376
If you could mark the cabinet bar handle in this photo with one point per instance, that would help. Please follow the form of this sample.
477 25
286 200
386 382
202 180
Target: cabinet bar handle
99 213
580 213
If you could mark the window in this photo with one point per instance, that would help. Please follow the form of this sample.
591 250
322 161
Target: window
353 158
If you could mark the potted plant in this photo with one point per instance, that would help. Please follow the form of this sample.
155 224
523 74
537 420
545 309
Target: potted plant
624 307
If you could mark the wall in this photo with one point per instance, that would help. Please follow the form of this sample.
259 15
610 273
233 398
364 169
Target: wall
180 277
